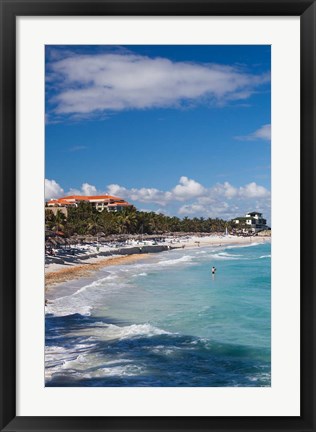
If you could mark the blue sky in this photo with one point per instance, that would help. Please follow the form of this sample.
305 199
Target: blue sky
182 130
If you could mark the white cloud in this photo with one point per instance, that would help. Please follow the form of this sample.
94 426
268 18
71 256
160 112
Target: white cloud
113 82
225 189
149 195
186 189
240 200
74 191
221 200
252 190
77 148
263 133
52 189
217 207
189 209
115 189
88 189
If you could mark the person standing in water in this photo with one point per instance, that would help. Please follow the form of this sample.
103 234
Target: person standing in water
213 270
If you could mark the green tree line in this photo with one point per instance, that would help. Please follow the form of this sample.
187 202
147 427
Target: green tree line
85 219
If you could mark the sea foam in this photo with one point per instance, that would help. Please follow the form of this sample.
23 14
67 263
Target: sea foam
169 262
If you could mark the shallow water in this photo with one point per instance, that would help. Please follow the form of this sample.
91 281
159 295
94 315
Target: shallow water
165 321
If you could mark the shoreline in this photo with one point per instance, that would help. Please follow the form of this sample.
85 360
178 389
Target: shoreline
56 274
85 269
161 313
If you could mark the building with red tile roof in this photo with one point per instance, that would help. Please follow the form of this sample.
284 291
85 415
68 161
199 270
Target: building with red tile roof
100 202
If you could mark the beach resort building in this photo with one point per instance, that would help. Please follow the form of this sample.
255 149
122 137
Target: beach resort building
251 222
100 202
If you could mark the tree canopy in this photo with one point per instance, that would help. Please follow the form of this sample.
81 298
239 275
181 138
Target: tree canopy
85 219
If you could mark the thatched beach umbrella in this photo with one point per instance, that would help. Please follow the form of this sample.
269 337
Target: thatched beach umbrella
49 233
51 241
59 240
88 238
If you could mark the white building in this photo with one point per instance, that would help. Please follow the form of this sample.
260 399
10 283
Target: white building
251 222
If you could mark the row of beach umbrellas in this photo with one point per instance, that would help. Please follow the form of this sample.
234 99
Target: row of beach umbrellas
58 239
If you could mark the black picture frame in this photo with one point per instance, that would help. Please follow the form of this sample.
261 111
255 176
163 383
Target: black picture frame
10 9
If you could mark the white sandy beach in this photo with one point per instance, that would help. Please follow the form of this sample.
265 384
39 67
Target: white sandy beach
91 257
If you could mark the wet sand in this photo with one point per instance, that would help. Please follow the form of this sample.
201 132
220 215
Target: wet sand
85 269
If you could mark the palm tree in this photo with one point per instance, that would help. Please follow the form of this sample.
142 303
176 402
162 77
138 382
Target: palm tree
186 224
49 219
127 222
59 222
86 220
93 224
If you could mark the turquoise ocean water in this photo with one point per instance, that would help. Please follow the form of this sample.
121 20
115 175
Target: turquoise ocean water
165 321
